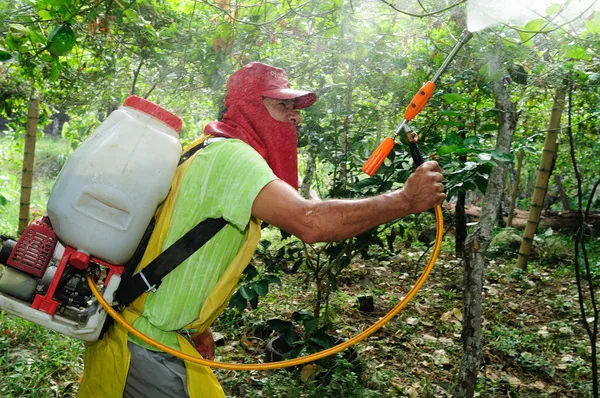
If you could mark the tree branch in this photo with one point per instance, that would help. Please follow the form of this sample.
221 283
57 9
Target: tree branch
426 14
135 76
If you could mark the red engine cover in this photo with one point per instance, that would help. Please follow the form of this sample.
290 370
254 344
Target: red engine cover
33 251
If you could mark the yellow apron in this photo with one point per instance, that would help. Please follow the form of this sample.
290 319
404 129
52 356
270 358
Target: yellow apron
107 360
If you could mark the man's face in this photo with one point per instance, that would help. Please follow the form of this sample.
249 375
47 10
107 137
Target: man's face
282 110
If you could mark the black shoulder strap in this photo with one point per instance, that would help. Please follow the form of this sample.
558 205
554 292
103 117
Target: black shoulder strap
148 279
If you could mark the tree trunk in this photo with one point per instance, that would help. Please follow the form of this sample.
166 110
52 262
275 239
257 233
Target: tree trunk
543 176
311 166
461 224
561 192
28 158
515 190
461 217
478 242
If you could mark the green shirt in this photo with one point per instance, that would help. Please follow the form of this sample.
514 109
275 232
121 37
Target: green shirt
222 181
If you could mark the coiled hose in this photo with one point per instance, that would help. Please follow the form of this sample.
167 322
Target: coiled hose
439 222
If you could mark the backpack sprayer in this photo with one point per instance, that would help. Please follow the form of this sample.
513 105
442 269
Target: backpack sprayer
99 208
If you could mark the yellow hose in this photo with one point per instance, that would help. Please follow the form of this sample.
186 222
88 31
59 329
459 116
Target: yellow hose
439 222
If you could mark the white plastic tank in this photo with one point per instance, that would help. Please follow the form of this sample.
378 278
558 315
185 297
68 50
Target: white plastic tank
109 188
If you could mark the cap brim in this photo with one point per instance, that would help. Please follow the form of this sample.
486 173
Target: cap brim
302 99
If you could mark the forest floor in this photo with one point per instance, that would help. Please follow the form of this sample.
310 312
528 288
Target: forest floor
534 344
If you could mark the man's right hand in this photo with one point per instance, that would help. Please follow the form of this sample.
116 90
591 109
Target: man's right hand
424 188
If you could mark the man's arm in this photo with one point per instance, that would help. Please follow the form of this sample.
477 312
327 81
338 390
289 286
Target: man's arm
330 220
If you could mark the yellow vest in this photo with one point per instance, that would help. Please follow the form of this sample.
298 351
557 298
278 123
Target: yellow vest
107 360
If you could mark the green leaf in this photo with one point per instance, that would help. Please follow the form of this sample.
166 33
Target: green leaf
593 25
254 302
4 55
531 28
501 156
280 324
56 68
3 200
247 292
552 9
290 336
448 149
451 98
320 341
488 127
302 316
472 141
272 278
45 14
250 272
262 287
238 302
311 325
36 37
575 51
131 14
482 182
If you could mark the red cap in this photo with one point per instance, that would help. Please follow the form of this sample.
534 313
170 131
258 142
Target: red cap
150 108
267 81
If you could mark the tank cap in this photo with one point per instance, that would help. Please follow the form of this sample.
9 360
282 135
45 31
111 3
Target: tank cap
150 108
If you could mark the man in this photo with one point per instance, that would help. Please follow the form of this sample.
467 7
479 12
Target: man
251 176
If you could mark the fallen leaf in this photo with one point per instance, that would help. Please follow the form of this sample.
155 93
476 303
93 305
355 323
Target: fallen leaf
412 392
307 372
446 315
539 385
445 340
514 381
457 313
412 321
440 357
429 338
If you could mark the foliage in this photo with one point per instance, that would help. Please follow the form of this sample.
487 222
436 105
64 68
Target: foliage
23 373
365 60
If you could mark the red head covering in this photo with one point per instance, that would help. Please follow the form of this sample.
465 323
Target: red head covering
248 119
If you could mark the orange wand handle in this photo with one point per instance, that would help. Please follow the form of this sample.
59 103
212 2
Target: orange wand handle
384 149
378 156
419 100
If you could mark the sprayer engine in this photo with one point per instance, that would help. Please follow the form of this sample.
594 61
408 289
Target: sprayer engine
45 282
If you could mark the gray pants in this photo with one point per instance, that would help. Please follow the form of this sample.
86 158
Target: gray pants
154 374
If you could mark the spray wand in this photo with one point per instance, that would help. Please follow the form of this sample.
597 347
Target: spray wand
412 110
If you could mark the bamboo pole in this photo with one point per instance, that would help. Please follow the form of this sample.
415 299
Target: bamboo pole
543 175
515 190
28 158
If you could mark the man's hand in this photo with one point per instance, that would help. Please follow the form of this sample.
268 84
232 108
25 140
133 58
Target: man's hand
205 344
424 189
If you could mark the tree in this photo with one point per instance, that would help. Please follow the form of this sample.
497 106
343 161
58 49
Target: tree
478 241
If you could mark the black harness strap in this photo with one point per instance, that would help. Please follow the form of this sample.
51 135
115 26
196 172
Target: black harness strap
150 278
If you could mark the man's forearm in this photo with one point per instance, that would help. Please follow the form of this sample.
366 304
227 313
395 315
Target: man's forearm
330 220
336 219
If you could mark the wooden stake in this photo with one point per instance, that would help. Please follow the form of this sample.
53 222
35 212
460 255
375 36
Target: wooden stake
28 158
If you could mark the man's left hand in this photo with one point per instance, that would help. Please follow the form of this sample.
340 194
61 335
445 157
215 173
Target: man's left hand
205 344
